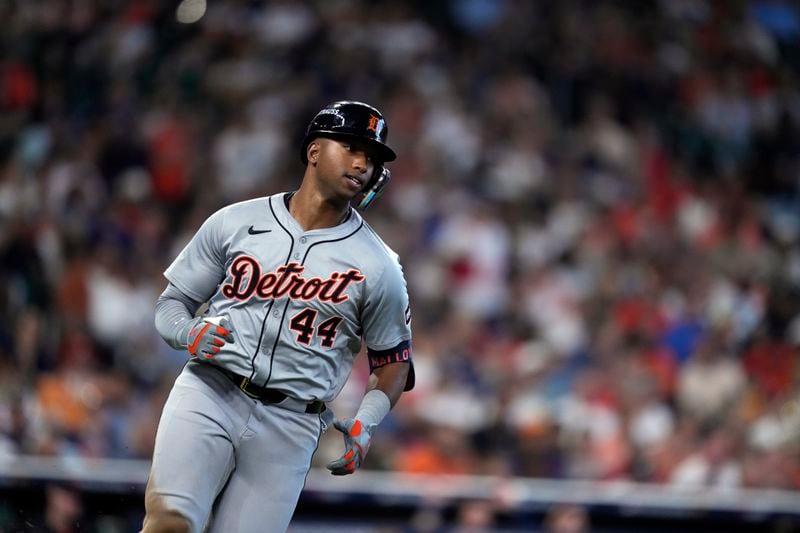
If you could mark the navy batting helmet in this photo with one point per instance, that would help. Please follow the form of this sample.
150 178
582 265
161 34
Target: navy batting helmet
350 119
357 120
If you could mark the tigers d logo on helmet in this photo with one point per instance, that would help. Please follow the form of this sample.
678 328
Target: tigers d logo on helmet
373 123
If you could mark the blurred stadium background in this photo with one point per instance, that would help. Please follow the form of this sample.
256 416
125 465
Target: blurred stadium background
597 204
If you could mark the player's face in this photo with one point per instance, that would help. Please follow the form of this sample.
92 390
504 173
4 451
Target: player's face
344 166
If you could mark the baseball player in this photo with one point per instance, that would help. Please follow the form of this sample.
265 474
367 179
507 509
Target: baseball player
294 282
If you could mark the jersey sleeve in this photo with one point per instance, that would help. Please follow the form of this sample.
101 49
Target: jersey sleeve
387 322
200 267
386 316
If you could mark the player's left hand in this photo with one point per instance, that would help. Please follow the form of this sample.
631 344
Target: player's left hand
357 438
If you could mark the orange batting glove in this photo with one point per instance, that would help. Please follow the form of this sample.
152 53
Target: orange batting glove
207 335
357 438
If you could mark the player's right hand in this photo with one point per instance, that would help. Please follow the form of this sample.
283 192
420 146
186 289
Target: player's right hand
207 335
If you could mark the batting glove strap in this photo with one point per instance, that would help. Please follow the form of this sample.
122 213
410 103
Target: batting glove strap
207 335
357 438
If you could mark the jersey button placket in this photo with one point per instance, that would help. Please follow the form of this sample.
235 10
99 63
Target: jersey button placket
272 330
299 253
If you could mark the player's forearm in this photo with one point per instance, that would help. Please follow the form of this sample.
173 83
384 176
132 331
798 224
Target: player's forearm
381 397
173 311
391 380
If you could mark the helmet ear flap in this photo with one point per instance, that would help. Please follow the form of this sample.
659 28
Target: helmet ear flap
373 190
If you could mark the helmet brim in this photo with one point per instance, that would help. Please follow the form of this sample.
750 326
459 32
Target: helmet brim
382 152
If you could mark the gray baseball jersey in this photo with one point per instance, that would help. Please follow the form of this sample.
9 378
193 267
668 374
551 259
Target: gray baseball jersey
299 301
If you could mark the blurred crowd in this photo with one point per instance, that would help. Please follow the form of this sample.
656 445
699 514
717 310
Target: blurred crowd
597 206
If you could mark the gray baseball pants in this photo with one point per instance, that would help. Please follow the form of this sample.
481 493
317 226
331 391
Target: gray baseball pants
228 462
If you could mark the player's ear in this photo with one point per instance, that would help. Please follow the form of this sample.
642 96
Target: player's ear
312 152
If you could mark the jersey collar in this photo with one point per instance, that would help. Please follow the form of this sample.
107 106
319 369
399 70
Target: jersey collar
279 205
